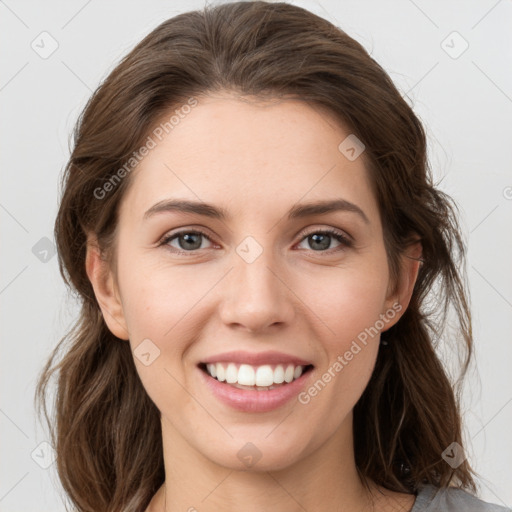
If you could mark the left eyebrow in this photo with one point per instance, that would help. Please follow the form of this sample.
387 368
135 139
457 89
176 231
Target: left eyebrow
297 211
324 207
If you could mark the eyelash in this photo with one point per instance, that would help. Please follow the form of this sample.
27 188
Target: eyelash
340 237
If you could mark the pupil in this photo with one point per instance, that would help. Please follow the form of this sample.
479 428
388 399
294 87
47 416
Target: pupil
323 245
187 237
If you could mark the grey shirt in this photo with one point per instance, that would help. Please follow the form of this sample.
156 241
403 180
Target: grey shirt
433 499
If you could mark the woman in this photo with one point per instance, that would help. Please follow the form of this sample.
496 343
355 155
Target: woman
264 266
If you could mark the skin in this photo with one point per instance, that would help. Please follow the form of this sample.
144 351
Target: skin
256 159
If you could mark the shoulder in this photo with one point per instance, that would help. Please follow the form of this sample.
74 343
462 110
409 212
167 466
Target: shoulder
451 499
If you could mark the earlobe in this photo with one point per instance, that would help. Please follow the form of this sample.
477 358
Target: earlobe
410 265
105 291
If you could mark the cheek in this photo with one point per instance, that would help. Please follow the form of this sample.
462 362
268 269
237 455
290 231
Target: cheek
156 298
350 306
157 305
163 308
349 300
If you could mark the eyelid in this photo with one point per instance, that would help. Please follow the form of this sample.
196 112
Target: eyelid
310 230
186 229
174 234
302 233
345 239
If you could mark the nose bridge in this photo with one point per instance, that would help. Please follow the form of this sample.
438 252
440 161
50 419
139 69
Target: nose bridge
256 296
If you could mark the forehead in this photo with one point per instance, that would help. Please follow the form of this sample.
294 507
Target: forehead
249 156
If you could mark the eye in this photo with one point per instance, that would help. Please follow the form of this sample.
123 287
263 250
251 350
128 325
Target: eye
321 240
188 241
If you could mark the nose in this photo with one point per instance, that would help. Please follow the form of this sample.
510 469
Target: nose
256 296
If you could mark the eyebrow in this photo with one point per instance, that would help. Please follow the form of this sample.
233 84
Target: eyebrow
297 211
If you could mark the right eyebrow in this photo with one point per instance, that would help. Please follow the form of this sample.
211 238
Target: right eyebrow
186 206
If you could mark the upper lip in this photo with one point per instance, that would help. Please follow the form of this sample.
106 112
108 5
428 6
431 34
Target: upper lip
256 359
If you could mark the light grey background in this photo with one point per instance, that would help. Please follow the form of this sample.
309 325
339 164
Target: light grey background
464 102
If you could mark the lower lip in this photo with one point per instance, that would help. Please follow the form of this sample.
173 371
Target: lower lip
253 400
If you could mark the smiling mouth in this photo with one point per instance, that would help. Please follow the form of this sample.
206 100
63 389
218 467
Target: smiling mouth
276 377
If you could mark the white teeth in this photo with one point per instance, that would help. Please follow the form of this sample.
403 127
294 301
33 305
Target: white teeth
279 374
221 373
231 374
247 375
288 374
212 369
264 376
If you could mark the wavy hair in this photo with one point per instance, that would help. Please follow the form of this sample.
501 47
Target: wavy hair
410 411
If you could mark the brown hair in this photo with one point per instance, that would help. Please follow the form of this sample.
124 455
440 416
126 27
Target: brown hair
409 413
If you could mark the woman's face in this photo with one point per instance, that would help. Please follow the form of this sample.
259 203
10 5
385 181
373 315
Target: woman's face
260 281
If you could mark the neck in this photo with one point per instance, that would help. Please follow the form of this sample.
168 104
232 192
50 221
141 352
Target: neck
320 478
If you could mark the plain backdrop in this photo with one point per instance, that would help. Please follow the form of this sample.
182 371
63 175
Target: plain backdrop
453 60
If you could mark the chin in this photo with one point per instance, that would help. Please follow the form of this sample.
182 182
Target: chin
253 453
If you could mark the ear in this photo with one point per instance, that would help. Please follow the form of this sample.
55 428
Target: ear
105 289
409 268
